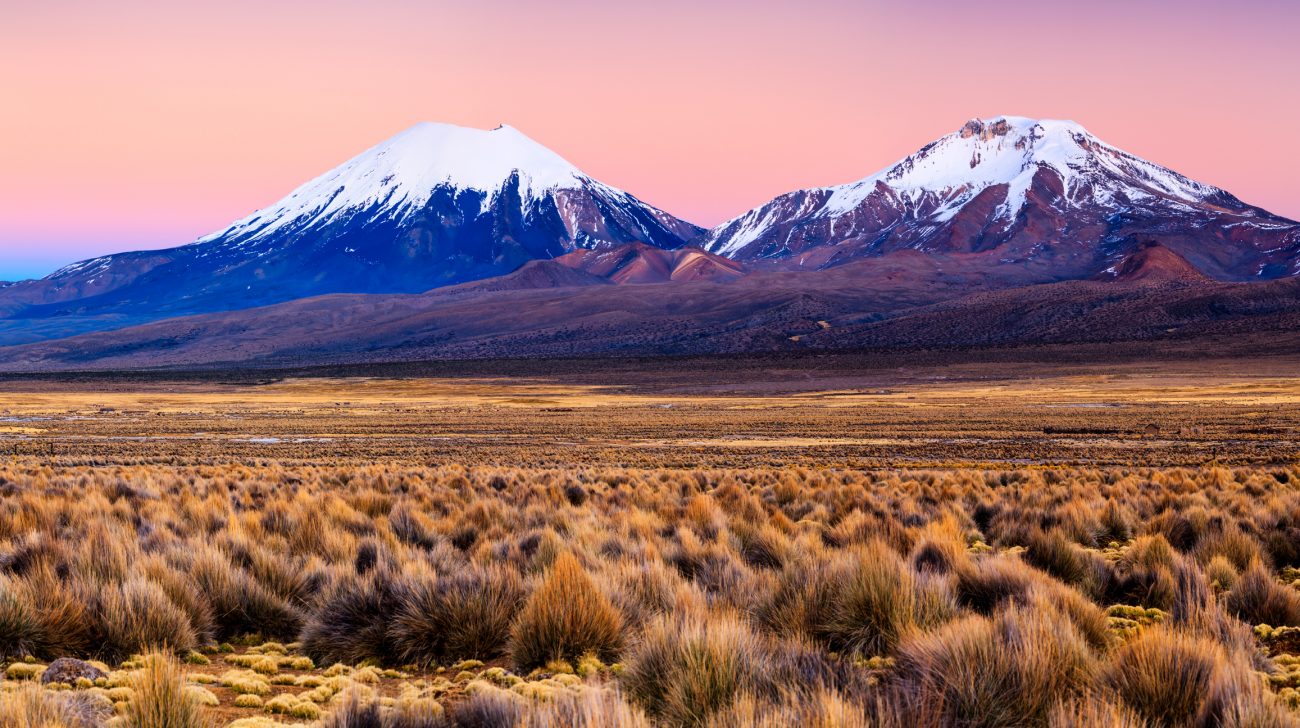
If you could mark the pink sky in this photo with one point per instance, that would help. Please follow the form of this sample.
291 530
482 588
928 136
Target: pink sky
134 124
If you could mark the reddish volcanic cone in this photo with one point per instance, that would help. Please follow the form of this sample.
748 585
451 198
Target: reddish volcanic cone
1153 262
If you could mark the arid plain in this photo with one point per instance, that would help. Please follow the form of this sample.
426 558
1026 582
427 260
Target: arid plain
978 544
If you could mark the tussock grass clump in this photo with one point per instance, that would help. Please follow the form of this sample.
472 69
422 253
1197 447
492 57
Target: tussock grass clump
591 708
1221 574
802 601
861 601
1169 677
412 527
1055 554
566 617
161 699
356 709
685 671
1094 711
875 602
30 706
21 627
1258 598
816 709
1236 699
940 550
646 589
987 584
239 603
138 616
351 623
1002 671
466 614
185 593
1228 542
488 709
41 616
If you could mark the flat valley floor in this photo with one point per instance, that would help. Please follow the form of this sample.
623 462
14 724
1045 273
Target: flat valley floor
987 415
982 543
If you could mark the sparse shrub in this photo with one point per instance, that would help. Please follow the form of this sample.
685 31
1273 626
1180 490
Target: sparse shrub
566 617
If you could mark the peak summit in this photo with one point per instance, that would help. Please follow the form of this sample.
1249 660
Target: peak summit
1000 126
430 152
1011 150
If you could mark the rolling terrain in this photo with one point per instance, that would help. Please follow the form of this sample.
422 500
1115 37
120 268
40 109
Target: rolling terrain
875 305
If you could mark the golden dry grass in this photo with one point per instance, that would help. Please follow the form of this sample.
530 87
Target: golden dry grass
485 553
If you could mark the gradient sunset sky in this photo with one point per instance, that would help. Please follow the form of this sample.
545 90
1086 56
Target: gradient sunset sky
130 124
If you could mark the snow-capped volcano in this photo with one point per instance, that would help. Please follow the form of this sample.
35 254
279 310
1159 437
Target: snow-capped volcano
501 169
435 205
1025 190
401 175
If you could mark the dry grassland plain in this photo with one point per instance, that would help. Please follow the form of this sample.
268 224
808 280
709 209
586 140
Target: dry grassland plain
943 546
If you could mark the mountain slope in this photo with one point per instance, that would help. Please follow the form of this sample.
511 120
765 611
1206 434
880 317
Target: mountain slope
1042 195
435 205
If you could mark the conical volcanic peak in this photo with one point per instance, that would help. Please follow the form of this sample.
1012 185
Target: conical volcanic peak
1043 194
435 205
401 174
